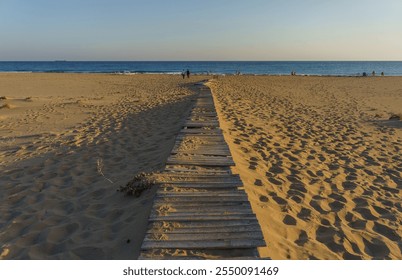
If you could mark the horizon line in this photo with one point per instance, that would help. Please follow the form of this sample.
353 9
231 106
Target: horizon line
297 60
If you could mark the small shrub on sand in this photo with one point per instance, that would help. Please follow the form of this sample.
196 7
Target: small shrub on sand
29 99
138 184
3 98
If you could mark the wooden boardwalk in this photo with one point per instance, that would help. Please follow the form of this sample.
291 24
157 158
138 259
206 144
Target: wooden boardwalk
200 209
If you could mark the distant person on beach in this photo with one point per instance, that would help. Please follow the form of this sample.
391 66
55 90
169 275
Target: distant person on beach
183 74
373 73
364 74
188 73
382 74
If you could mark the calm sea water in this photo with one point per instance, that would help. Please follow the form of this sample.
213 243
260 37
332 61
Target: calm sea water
390 68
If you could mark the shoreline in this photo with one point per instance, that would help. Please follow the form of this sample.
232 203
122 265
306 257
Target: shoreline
201 74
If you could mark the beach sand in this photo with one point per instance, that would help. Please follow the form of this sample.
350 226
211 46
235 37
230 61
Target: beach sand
319 158
58 134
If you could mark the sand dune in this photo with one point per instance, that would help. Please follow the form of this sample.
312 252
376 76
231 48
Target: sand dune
320 160
55 202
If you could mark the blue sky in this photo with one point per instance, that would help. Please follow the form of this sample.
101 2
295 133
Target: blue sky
200 30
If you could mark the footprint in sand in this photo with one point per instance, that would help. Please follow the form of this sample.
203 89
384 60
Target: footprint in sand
349 256
276 169
327 235
376 248
296 192
274 181
365 213
253 163
349 186
258 183
314 203
303 238
355 222
278 200
336 206
384 213
304 214
289 220
387 232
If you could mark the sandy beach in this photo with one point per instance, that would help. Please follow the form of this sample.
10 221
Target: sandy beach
59 134
320 160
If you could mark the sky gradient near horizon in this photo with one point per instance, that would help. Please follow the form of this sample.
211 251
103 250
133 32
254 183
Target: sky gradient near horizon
200 30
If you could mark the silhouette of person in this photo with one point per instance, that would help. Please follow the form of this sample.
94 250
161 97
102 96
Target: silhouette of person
188 73
183 74
382 74
373 73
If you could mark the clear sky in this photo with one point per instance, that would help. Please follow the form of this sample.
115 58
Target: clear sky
201 29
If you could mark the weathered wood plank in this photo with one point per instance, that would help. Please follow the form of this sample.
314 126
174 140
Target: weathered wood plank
201 161
203 244
199 180
205 139
201 200
200 131
147 255
191 148
203 236
202 151
174 169
199 169
204 185
188 206
225 229
196 176
204 214
240 257
217 217
179 209
228 193
201 124
204 114
204 224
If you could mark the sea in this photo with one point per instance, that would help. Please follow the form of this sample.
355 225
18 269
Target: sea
319 68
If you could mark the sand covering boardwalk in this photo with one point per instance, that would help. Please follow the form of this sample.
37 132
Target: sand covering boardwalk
200 210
